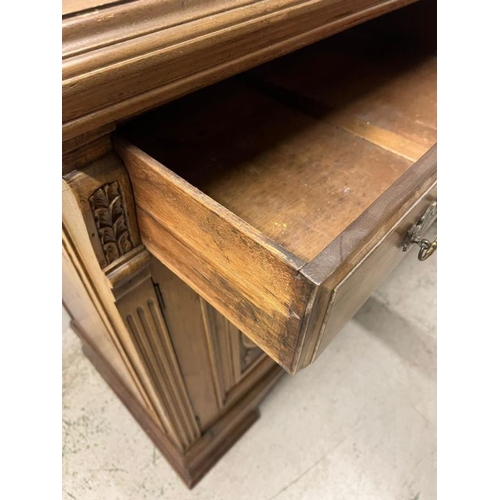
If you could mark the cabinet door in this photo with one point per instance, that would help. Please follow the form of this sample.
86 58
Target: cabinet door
218 363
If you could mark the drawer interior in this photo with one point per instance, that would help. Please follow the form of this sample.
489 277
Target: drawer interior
282 195
300 147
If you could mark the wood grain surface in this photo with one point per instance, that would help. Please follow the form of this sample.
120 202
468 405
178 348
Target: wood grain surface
85 317
195 330
278 199
315 137
72 7
357 261
223 258
264 191
107 53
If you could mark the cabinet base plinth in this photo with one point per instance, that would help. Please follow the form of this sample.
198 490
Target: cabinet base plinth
191 465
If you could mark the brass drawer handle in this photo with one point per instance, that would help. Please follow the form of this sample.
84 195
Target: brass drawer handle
413 234
426 248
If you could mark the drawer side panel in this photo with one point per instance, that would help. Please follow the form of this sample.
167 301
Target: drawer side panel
242 274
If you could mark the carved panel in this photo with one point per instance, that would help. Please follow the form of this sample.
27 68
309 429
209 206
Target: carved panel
233 355
249 353
111 221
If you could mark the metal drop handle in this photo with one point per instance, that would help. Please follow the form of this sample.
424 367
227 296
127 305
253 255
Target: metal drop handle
426 248
412 236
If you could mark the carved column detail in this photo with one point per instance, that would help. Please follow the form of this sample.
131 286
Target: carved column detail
105 202
151 338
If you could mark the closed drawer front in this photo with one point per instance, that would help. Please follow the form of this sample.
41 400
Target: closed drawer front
282 196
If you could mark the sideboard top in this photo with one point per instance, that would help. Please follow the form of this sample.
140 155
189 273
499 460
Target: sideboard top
122 58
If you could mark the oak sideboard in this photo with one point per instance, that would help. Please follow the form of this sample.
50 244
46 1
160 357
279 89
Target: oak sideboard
238 178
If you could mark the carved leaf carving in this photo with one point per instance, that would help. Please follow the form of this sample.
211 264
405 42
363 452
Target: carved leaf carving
111 222
103 217
111 251
124 243
107 235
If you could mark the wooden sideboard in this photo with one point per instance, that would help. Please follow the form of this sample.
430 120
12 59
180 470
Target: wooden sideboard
230 201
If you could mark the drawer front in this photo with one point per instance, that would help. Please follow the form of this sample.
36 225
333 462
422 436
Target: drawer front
352 292
360 258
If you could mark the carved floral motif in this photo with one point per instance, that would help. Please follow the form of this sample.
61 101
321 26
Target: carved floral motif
111 221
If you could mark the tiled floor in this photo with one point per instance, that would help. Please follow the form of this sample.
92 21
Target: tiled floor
358 424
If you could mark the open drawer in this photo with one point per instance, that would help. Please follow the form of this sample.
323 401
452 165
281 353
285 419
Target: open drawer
282 196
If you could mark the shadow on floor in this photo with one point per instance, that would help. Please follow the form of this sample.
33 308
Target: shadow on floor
407 340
